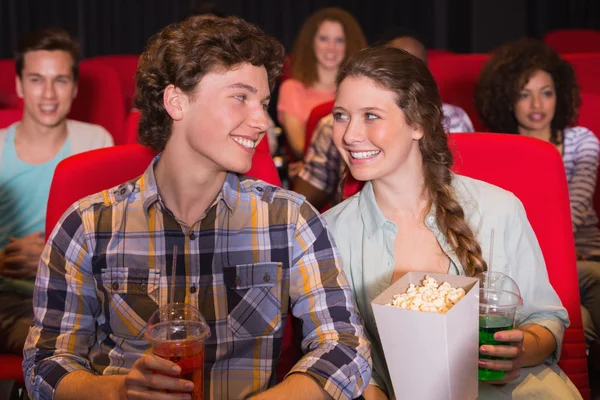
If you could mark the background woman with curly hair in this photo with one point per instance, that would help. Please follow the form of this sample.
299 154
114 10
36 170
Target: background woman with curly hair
527 89
326 39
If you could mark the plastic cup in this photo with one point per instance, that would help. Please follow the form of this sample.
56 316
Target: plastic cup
499 300
177 333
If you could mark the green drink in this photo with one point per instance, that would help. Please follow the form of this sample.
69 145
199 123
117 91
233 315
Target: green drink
499 299
488 325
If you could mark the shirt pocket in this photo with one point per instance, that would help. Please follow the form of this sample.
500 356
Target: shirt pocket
253 298
131 296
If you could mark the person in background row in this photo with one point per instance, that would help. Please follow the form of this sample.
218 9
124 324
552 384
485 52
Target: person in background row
526 88
320 175
47 65
326 39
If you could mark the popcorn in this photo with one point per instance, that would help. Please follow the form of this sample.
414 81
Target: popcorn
430 297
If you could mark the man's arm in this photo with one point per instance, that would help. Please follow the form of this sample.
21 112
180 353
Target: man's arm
320 175
318 198
337 351
65 306
295 387
21 256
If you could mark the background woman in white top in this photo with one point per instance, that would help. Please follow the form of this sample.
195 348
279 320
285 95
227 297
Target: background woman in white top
527 89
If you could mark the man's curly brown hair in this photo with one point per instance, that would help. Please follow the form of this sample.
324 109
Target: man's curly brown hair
181 54
508 71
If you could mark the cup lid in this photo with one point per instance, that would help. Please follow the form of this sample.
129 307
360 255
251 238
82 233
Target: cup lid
499 289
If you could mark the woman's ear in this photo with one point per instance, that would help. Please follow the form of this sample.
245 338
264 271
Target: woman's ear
175 102
417 133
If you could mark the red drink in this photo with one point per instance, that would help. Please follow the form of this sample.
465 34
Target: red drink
189 355
177 333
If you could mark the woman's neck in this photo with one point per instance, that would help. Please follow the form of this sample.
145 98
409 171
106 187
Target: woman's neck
403 194
326 79
543 134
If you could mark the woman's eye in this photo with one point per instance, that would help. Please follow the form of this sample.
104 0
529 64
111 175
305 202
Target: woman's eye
338 116
240 97
371 116
523 95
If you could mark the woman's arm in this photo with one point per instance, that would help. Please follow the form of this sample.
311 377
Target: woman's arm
582 185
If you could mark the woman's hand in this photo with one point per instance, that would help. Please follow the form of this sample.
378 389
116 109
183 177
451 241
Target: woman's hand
512 351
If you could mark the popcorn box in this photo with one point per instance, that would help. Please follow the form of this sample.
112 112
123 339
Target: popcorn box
431 356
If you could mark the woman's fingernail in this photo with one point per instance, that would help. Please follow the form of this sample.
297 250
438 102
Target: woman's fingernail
176 369
482 363
189 386
484 349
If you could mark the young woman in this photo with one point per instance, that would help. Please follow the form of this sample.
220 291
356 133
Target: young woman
414 214
527 89
327 38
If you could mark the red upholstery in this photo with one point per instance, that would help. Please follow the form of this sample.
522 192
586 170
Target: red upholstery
125 65
9 116
589 118
533 170
315 116
10 368
287 68
586 67
131 125
574 40
434 53
456 77
8 93
97 101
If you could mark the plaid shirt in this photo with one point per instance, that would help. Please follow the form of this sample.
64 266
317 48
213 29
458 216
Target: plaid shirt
323 163
258 249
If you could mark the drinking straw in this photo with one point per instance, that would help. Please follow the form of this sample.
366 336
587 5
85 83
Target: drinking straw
172 291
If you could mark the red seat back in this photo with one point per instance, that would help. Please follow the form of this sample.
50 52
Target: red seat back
586 67
8 93
10 116
456 76
573 40
125 65
534 171
315 116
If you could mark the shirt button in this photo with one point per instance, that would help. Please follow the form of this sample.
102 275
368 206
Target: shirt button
193 289
143 286
238 281
115 286
192 236
123 191
266 278
431 219
259 188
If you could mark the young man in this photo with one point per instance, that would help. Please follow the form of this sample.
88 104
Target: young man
47 64
246 250
319 178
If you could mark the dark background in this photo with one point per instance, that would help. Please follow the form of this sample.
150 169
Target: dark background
123 26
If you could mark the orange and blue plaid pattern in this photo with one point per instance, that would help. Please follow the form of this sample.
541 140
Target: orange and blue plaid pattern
257 250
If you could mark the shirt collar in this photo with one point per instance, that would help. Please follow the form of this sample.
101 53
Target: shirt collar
372 217
230 192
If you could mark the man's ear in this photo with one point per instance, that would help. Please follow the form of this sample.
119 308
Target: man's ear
175 102
19 86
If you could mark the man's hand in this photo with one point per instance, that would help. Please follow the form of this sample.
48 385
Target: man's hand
21 256
150 376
